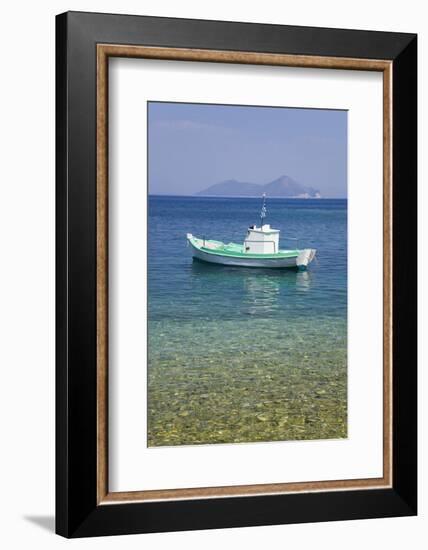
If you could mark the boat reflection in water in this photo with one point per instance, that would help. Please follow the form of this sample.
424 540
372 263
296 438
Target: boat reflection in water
255 291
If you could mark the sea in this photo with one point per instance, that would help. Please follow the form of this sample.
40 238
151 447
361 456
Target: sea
242 355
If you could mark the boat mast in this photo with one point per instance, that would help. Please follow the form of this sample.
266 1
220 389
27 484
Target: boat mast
263 211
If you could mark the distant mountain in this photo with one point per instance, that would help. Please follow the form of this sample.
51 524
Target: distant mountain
284 187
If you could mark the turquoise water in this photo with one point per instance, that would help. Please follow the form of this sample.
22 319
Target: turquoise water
241 354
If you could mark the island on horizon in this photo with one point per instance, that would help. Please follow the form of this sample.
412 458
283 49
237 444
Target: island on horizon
282 187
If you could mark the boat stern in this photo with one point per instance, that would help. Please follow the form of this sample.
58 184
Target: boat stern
305 257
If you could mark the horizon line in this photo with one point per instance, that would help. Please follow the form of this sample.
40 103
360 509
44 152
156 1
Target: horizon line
243 196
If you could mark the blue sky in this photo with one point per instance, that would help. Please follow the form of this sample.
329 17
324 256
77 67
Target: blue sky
193 146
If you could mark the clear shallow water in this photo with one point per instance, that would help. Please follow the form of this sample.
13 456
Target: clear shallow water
237 354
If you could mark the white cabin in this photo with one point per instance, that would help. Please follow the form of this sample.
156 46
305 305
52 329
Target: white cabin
261 240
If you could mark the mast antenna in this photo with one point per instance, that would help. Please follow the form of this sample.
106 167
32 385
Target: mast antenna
263 211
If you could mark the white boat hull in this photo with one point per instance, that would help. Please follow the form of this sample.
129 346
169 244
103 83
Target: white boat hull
300 261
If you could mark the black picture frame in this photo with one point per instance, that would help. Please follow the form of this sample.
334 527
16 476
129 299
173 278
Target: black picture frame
77 511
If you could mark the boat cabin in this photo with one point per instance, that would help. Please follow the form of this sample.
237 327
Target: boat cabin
261 240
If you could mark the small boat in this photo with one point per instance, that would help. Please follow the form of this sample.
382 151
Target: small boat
259 249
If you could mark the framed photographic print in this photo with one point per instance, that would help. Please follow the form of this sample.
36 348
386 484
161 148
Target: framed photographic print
236 280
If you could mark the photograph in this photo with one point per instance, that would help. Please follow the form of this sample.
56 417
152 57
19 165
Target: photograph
247 274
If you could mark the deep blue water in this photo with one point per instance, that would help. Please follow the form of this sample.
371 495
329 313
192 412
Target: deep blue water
182 289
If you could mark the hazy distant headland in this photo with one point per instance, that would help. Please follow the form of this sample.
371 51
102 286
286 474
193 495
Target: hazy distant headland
284 187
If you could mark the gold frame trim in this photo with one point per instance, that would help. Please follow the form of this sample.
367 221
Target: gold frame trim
104 51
